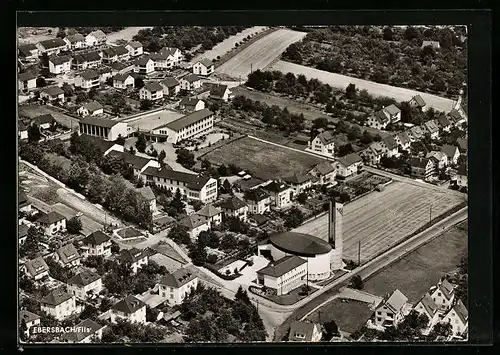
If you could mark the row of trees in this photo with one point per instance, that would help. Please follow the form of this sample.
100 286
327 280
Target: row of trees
119 280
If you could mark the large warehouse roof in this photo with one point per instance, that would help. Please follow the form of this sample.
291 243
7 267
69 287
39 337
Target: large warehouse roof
300 244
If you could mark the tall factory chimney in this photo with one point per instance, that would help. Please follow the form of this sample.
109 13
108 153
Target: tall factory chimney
335 217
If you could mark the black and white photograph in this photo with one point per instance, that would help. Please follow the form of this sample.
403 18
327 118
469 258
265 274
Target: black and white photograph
235 184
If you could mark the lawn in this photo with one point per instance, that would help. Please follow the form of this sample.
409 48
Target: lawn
32 111
417 272
263 160
349 315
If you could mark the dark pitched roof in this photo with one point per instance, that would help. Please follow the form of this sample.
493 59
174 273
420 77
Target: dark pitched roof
58 60
218 90
206 62
98 34
53 43
178 278
147 193
26 76
429 305
326 137
462 170
21 126
233 204
159 56
431 126
396 301
446 288
462 144
68 253
89 74
324 168
26 49
22 231
142 61
191 78
282 266
153 86
87 57
93 106
98 142
276 186
135 44
119 66
42 119
192 221
121 77
301 331
100 122
129 232
50 218
136 161
187 120
188 101
209 211
169 82
129 305
392 109
443 121
88 325
110 52
169 50
255 195
96 238
36 266
297 178
54 90
381 117
349 159
84 278
390 142
417 162
27 316
455 115
449 150
56 297
404 138
461 311
193 182
132 255
418 99
75 38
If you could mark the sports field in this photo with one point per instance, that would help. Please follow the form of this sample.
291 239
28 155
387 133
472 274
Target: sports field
260 54
373 88
380 220
265 161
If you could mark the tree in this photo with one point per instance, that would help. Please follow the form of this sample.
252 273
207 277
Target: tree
205 164
74 225
330 329
411 33
30 248
141 143
185 158
120 140
294 218
198 254
356 282
178 233
222 170
41 82
350 91
151 314
388 34
176 206
146 104
345 149
440 329
302 197
89 312
34 133
367 137
161 156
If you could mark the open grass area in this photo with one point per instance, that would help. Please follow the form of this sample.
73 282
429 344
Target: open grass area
417 272
349 315
32 111
265 161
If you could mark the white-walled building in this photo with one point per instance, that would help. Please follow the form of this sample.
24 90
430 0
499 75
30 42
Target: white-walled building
393 113
26 81
195 224
134 257
190 82
323 143
147 193
52 93
389 147
191 104
103 128
348 165
59 65
220 92
151 91
131 309
30 319
235 207
75 41
97 243
176 286
195 124
28 52
52 46
325 172
84 284
88 79
92 108
86 332
123 81
36 268
378 120
428 307
283 275
67 256
305 331
203 67
419 102
258 201
134 48
458 317
212 215
299 182
144 65
443 294
281 194
95 38
390 310
452 152
403 140
431 127
171 86
84 61
52 222
59 304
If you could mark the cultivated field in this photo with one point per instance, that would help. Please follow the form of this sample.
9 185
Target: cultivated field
35 34
373 88
152 120
263 160
126 34
417 272
380 220
259 54
310 112
32 111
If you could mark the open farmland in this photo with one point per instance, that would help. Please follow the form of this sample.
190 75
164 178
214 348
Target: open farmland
418 271
263 160
259 54
373 88
380 220
32 111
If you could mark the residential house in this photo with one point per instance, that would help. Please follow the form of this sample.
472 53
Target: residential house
194 187
220 92
171 86
452 152
281 193
86 61
86 332
305 331
44 121
403 140
176 286
36 269
138 163
416 133
389 147
162 61
23 203
191 104
104 146
123 81
441 158
92 108
76 41
144 65
419 102
348 165
432 128
151 91
458 317
103 128
174 53
212 214
299 182
325 172
29 319
115 54
28 52
433 44
131 309
443 294
134 257
106 74
26 81
373 153
22 130
59 64
422 167
429 308
283 275
444 123
389 312
455 117
462 144
195 224
392 112
67 256
235 207
258 200
95 38
88 79
122 68
148 196
52 222
98 244
379 120
59 304
460 177
134 48
203 67
52 46
323 143
190 82
84 284
195 124
22 233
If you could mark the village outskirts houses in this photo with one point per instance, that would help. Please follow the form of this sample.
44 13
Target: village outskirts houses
87 331
148 195
84 61
59 64
393 113
134 258
151 91
391 310
43 121
444 123
131 309
212 214
443 294
92 108
52 46
258 200
88 79
176 286
97 243
67 256
36 268
52 222
416 133
323 143
30 320
95 38
325 172
28 52
403 140
390 147
235 207
378 120
299 182
195 124
190 82
441 158
203 67
195 224
59 304
460 176
191 104
281 193
305 331
84 284
458 318
115 54
220 92
171 86
26 81
144 65
174 54
423 167
123 81
418 102
432 128
134 48
348 165
429 308
452 152
75 41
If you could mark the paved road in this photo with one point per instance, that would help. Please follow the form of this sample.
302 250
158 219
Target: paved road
373 88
